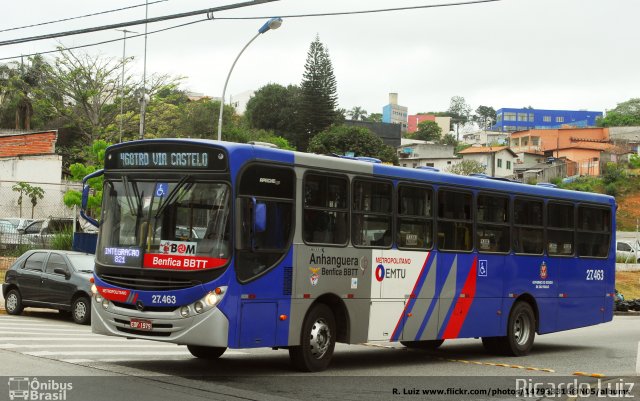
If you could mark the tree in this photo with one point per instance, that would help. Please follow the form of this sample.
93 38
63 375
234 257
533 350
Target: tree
460 113
374 117
361 141
624 114
485 116
318 94
449 139
357 113
34 194
275 107
467 167
427 131
78 171
199 119
22 188
18 86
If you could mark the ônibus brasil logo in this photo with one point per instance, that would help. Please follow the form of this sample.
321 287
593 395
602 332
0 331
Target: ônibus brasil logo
33 389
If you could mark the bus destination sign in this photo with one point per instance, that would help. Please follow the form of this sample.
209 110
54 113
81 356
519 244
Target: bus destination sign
191 159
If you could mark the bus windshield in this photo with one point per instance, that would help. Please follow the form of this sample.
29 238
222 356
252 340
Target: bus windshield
184 217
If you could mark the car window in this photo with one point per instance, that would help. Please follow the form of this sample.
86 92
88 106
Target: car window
34 228
623 246
56 261
82 263
35 261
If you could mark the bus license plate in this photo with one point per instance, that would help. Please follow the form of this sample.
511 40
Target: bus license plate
139 324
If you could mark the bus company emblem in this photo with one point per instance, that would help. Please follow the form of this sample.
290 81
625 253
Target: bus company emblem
543 271
364 263
380 273
177 248
314 275
391 273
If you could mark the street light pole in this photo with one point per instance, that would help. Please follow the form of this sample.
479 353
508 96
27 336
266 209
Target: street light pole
273 23
124 51
144 98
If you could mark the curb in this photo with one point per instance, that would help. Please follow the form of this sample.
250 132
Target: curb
630 313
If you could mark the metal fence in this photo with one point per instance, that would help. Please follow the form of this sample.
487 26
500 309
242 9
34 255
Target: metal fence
51 206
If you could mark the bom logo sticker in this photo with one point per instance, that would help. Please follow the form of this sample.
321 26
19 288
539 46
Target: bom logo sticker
177 248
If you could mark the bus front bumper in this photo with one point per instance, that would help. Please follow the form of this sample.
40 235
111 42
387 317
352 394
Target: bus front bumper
209 328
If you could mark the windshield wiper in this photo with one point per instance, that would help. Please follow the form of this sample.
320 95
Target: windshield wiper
173 194
134 209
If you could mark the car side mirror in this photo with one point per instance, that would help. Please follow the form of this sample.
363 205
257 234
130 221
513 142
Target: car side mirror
21 231
64 272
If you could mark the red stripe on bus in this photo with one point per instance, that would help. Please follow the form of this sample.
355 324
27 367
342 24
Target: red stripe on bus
463 304
412 295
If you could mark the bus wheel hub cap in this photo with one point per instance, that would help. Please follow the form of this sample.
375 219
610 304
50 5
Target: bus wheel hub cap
320 338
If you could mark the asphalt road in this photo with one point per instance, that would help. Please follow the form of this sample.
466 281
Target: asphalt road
46 344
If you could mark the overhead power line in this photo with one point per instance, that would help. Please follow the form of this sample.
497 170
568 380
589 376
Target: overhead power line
210 17
80 16
208 11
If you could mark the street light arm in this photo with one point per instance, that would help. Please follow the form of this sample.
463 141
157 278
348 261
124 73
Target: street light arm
224 90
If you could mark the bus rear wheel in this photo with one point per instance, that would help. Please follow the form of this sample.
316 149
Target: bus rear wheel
202 352
521 331
317 340
426 345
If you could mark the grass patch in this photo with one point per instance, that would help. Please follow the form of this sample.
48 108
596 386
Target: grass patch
628 283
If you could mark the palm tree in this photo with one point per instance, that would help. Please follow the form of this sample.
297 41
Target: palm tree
17 85
357 113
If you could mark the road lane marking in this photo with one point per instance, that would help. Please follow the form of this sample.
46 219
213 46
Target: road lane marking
500 365
598 375
638 361
7 346
86 338
106 353
40 332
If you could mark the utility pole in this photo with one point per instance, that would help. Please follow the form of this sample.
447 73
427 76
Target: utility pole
144 98
124 50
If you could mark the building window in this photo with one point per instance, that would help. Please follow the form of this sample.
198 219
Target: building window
449 162
508 165
525 141
535 140
560 119
546 119
531 119
509 116
510 128
499 163
522 116
521 128
515 141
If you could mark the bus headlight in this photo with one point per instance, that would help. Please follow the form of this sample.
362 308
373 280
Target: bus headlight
105 303
198 306
184 311
94 289
211 299
99 298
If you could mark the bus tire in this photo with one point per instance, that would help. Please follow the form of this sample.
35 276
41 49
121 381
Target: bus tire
202 352
521 331
429 345
317 340
13 302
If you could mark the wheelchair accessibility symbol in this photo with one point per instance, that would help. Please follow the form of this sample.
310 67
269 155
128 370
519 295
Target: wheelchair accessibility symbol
162 189
482 268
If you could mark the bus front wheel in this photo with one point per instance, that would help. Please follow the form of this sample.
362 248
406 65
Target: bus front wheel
521 331
206 352
317 340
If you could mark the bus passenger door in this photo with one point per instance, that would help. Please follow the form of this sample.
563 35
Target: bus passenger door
581 293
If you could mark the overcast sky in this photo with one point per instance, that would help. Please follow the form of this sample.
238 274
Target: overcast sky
553 54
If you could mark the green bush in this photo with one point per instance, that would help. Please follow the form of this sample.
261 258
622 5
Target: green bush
63 240
556 181
611 189
613 172
634 161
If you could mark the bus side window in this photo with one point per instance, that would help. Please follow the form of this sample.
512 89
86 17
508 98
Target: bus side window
372 213
454 220
528 226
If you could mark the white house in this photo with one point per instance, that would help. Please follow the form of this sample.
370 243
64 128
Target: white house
498 160
415 153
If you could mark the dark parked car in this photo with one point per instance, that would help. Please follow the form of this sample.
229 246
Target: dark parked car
50 279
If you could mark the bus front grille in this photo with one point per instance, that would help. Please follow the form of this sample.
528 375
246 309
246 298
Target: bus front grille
147 283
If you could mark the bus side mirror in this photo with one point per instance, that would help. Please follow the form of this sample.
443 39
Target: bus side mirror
85 197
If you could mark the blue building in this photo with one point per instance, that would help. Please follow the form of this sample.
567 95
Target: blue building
510 120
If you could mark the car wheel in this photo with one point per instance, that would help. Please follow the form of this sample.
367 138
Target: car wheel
317 340
425 345
206 352
81 310
13 302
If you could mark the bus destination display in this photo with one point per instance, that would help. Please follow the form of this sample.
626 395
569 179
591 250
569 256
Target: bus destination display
177 159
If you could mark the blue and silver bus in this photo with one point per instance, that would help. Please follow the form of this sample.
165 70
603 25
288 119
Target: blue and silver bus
218 245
